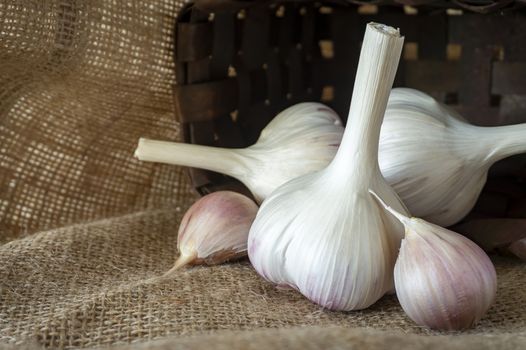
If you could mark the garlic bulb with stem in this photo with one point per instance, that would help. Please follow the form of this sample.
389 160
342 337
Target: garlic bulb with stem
215 229
322 233
442 279
299 140
436 161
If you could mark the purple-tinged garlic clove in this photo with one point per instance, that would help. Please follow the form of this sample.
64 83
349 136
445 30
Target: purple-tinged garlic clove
215 229
443 280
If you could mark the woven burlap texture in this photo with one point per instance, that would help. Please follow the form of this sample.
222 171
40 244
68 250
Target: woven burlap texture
86 230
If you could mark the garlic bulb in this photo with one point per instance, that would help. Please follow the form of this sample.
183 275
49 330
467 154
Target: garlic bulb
215 229
442 279
437 162
322 233
299 140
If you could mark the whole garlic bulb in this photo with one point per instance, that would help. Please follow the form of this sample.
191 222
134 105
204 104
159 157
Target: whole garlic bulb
322 233
437 162
215 229
299 140
442 279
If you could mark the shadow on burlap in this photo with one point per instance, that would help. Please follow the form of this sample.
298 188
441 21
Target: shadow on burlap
86 229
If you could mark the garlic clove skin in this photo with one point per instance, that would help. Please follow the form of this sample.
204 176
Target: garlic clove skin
443 280
215 229
301 139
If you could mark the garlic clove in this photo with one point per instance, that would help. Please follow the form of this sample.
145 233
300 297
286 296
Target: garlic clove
443 280
215 229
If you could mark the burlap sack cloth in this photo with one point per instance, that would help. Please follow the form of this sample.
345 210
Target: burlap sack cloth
85 229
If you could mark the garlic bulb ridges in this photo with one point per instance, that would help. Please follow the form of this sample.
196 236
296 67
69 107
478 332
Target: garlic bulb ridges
215 229
299 140
442 279
437 162
322 233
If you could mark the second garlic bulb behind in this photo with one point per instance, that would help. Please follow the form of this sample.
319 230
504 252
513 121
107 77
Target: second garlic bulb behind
437 162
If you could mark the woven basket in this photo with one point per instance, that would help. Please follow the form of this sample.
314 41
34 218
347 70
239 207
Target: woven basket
241 62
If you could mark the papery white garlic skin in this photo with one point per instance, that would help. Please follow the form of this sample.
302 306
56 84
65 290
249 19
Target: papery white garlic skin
301 139
443 280
435 161
322 233
215 229
339 254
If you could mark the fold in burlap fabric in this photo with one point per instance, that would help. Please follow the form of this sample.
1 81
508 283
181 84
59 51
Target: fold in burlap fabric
86 230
